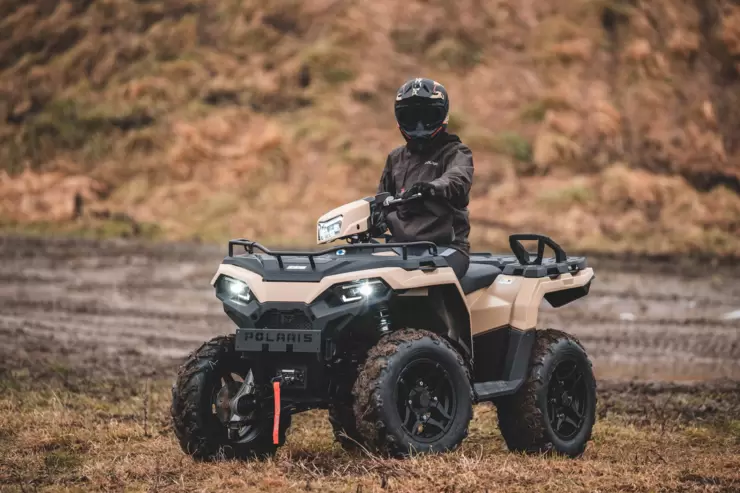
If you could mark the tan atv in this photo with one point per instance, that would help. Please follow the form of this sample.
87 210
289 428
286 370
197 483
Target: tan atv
386 338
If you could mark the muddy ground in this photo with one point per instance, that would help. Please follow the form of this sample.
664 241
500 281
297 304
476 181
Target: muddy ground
134 308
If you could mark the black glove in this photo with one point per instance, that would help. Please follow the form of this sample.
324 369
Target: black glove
378 224
424 188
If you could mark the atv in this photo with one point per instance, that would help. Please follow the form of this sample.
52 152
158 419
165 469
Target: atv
385 337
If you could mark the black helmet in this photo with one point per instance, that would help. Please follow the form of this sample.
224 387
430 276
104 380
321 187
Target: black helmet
422 109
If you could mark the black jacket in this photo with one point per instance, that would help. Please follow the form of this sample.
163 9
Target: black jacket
448 164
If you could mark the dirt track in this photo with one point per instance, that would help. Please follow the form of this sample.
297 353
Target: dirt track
129 308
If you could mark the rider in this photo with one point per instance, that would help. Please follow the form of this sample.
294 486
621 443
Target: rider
435 164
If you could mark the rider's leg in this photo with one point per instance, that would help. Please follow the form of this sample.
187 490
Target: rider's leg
459 263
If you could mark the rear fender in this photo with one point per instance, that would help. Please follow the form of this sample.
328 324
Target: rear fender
515 300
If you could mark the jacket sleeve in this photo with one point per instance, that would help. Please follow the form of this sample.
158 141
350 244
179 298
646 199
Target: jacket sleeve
386 179
457 178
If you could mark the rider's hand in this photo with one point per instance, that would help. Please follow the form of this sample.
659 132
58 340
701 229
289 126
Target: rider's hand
424 188
378 224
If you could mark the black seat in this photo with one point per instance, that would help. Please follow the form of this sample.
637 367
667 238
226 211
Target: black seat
478 276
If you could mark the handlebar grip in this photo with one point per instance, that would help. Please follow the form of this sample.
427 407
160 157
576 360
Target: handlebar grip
391 201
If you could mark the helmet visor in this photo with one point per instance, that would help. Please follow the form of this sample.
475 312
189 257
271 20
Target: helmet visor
430 116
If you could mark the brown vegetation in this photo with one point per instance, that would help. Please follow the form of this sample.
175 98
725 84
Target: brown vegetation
611 124
66 431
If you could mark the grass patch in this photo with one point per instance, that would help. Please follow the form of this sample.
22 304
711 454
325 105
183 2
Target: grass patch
85 228
407 40
731 429
574 194
69 125
62 461
514 145
329 62
90 433
536 110
454 54
458 122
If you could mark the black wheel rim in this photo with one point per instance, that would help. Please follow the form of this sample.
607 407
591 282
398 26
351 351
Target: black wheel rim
426 400
567 400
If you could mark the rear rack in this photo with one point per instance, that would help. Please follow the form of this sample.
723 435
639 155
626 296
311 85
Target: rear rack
539 266
251 246
524 257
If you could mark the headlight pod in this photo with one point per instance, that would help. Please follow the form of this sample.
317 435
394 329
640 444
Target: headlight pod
362 290
234 290
329 229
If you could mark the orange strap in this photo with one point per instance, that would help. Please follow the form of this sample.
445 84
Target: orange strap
276 423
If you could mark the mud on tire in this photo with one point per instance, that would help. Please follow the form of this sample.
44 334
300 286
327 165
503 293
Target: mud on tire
380 411
199 431
536 419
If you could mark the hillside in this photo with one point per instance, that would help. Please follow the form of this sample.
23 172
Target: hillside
610 124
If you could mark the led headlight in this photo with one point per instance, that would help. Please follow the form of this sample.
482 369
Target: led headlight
233 289
330 229
365 289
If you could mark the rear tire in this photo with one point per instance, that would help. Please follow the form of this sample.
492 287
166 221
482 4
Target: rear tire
413 395
555 409
199 430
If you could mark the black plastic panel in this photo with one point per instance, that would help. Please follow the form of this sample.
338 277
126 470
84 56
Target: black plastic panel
298 269
489 352
560 298
549 268
478 276
514 370
496 260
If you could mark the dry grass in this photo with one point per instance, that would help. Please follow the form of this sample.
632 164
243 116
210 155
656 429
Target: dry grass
63 432
217 118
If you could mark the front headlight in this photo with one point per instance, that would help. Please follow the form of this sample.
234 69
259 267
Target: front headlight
330 229
365 289
233 289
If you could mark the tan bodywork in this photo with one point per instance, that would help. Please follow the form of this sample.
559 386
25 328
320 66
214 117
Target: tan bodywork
306 292
510 300
515 300
355 216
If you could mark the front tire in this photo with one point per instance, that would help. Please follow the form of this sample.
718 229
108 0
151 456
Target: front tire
555 409
413 395
207 373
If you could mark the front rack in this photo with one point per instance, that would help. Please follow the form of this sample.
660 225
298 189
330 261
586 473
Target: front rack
251 246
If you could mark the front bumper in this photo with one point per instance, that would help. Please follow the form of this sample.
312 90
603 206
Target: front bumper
280 337
291 327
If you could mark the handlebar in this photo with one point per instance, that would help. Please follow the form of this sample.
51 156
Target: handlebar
392 201
383 204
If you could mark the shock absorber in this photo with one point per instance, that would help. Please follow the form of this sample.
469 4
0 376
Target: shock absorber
384 321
